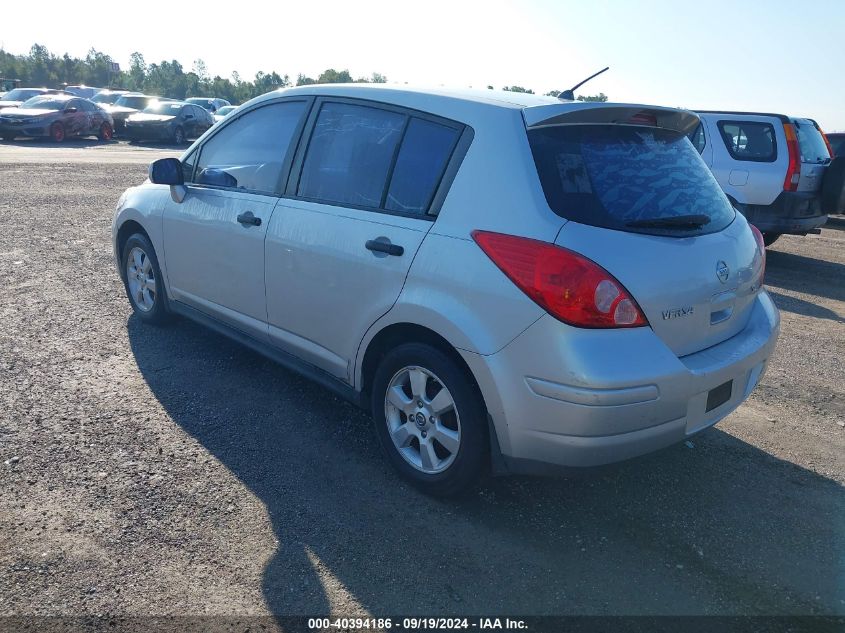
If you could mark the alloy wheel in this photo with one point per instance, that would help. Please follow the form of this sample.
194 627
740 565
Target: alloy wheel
422 419
141 280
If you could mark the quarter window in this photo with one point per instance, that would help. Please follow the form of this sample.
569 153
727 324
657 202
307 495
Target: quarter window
350 154
422 159
749 140
249 152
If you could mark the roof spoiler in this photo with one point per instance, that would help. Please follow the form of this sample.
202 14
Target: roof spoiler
586 113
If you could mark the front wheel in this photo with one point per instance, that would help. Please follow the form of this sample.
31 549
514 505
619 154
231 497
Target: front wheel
106 132
770 238
179 136
430 419
143 280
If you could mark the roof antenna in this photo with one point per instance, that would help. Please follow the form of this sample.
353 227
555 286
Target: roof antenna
569 95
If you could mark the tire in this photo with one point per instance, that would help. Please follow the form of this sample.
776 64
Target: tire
57 133
770 238
179 136
439 469
106 132
140 267
833 187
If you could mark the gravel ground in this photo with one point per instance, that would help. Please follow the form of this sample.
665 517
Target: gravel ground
169 471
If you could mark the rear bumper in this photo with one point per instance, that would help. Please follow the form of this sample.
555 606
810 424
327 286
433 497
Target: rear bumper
791 212
563 397
148 133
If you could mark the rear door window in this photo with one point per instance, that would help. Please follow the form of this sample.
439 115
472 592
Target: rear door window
749 140
426 149
630 178
249 152
350 154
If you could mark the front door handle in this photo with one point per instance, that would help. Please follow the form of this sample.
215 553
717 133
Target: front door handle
249 219
384 247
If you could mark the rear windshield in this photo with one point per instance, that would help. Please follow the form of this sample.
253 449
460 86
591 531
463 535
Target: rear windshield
629 178
204 103
810 142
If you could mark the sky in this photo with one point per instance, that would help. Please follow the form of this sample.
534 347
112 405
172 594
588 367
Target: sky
774 56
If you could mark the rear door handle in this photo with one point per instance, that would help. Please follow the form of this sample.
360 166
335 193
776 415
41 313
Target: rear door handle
249 219
384 247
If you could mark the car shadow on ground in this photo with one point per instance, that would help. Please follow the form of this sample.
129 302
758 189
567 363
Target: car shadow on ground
715 527
158 145
68 143
805 274
807 308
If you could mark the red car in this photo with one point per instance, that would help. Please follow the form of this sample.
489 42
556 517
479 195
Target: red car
56 117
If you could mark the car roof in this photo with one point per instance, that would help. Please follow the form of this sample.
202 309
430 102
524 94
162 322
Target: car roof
782 117
535 109
502 98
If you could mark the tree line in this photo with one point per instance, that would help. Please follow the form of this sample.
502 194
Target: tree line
40 67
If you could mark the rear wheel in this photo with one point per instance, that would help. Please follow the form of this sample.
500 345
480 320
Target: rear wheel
57 132
430 419
770 238
106 132
143 281
179 136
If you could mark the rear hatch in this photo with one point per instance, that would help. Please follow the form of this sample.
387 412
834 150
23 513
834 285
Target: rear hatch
643 205
814 155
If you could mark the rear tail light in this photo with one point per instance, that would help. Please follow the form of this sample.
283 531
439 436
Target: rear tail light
762 250
567 285
793 171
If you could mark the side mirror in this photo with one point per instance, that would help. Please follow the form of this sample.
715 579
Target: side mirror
71 110
167 171
217 178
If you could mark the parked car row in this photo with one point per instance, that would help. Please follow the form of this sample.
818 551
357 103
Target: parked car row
775 169
26 112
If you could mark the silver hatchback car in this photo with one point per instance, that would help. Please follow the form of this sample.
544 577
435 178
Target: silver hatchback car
505 281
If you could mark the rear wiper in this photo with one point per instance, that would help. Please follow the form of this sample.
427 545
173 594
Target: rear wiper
689 222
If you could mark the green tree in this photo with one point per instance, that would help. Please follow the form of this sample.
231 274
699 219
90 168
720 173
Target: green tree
331 76
518 89
600 97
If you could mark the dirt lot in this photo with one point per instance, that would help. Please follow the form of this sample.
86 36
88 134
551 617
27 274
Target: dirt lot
169 471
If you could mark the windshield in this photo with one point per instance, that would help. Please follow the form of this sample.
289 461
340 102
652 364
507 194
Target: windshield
630 178
138 103
105 97
20 94
810 142
45 103
164 108
225 110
